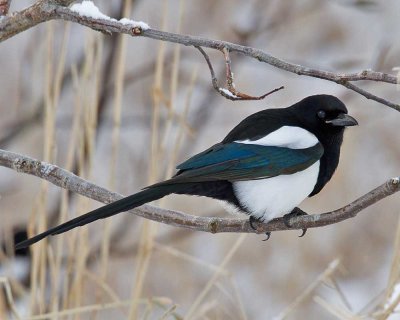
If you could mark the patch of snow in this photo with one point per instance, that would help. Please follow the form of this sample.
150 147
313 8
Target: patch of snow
227 92
142 25
89 9
47 168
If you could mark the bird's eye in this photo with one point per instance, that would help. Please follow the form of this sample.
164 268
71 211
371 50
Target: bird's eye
321 114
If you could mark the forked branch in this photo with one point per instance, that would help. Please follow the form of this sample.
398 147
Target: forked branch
231 93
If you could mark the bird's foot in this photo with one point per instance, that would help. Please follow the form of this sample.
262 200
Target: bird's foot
251 222
296 212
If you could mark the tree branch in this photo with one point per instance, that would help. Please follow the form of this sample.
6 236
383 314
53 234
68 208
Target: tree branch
67 180
47 10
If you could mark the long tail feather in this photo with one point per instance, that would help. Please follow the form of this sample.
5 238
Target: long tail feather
125 204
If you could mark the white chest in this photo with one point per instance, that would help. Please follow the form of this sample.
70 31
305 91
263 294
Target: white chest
267 199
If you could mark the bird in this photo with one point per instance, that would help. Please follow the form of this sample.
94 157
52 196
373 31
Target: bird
265 166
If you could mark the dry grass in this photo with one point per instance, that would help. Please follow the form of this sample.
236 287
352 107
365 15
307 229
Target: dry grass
127 268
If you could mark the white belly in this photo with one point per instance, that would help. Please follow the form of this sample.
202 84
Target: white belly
267 199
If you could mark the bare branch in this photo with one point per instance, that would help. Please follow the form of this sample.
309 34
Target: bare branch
67 180
47 10
22 20
369 95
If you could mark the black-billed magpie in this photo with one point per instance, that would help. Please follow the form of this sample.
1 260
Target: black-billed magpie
267 165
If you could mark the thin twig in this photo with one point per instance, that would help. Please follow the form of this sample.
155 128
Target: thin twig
231 93
214 80
45 10
369 95
65 179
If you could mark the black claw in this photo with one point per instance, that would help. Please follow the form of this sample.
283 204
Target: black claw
268 234
295 213
251 222
303 233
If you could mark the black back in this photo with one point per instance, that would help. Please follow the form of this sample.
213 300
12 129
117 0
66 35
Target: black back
302 114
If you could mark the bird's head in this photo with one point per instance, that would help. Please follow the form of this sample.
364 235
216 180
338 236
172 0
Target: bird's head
323 115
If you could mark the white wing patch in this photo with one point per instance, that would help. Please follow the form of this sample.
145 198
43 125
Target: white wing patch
286 136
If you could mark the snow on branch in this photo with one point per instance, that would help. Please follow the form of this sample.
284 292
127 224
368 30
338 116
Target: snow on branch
88 9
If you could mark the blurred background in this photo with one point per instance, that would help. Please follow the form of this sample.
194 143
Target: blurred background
122 112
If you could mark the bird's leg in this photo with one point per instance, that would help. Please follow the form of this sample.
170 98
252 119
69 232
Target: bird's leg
295 213
251 222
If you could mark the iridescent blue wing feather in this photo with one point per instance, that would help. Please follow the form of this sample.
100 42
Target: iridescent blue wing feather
239 161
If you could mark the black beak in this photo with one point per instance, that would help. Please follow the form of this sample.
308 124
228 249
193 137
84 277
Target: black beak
343 120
